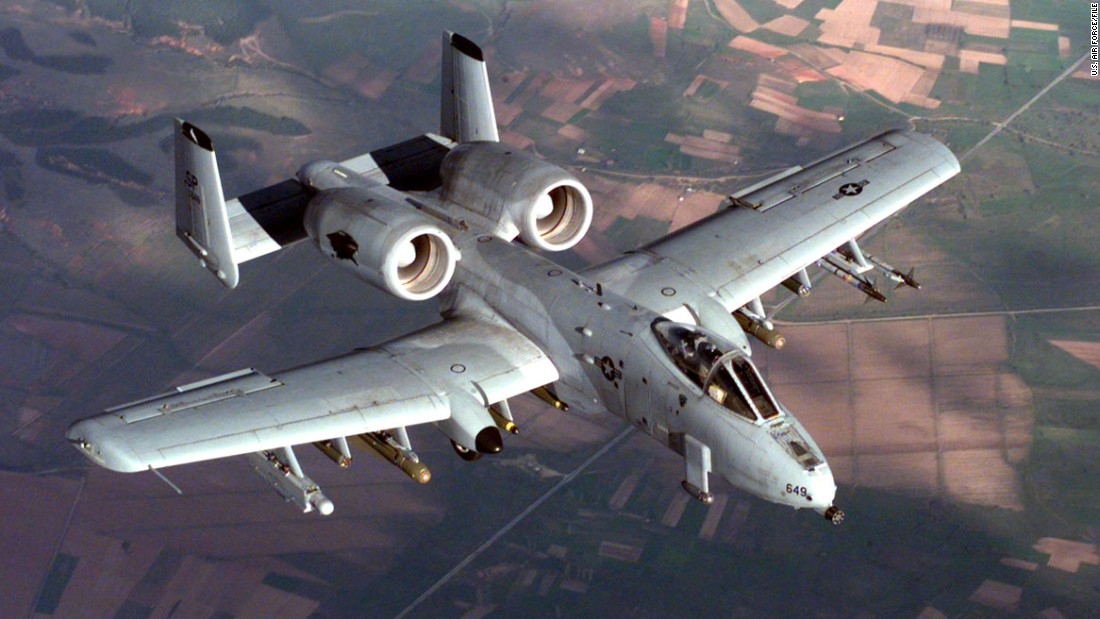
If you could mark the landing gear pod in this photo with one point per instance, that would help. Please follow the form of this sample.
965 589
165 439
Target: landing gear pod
471 428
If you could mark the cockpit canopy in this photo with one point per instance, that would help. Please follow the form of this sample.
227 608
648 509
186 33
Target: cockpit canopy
718 368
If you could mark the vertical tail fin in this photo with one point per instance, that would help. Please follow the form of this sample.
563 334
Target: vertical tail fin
202 222
466 105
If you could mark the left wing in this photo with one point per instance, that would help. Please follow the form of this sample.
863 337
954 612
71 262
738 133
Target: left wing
449 371
769 233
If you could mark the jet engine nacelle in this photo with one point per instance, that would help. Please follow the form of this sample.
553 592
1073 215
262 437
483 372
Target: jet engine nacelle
387 243
543 204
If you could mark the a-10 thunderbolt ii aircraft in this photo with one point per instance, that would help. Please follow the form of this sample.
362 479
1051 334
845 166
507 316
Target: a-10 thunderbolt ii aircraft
656 336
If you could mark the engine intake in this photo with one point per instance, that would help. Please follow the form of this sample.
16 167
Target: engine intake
541 203
387 243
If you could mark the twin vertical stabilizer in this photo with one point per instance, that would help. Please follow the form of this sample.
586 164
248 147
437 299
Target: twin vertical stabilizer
270 218
466 105
202 221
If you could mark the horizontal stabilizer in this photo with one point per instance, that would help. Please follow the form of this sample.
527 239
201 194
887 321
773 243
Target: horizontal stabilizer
268 219
412 165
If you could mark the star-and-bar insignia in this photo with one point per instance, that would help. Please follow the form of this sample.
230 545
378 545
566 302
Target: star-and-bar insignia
850 189
607 367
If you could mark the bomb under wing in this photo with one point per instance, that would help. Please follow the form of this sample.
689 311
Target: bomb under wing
403 459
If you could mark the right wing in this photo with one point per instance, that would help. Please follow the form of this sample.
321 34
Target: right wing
462 364
771 231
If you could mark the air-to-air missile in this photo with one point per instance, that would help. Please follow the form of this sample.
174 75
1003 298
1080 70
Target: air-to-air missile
851 278
403 459
869 261
892 273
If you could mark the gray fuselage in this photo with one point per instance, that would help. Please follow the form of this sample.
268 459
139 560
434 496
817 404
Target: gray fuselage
609 358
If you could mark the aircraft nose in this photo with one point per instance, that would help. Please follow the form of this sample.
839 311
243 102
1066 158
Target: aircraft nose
823 492
812 487
821 485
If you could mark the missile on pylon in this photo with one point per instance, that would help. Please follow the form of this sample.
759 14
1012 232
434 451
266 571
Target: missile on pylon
503 417
297 489
706 498
545 395
852 279
334 453
903 279
405 460
907 279
795 286
770 337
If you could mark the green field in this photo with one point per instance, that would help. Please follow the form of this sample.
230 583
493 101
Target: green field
1060 474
